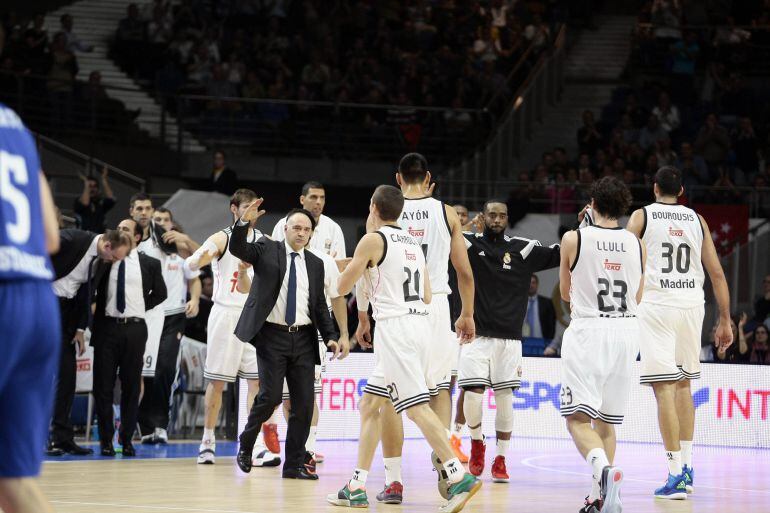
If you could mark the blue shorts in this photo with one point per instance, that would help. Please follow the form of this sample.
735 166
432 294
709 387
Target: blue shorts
30 338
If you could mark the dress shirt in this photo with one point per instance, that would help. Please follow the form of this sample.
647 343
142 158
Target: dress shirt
533 317
134 289
327 236
68 286
278 314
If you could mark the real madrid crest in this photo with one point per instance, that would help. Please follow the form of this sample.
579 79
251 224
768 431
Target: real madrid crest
506 260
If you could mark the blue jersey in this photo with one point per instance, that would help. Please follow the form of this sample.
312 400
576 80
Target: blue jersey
23 254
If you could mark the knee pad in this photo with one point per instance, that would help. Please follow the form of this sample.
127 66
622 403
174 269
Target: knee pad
504 405
472 408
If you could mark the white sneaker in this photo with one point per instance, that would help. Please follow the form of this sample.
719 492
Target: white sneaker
266 458
161 435
149 439
207 453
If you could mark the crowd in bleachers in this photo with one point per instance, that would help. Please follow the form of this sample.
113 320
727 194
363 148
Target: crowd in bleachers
696 98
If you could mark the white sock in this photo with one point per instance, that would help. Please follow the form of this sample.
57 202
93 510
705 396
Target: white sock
473 413
674 460
359 479
208 434
310 443
447 433
597 458
392 469
457 429
502 447
686 452
454 469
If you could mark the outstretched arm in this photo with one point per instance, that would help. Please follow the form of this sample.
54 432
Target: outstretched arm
368 252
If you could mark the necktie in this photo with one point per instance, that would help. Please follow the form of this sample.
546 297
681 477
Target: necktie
291 293
531 316
90 291
120 297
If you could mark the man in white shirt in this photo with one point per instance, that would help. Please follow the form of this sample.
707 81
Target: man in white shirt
327 236
123 294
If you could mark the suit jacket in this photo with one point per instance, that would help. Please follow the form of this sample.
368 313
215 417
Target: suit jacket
547 315
269 260
74 244
154 290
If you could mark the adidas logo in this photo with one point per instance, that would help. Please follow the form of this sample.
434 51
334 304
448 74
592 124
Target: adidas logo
482 254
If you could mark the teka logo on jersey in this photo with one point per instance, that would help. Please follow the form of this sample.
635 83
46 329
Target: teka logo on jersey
731 403
415 232
612 266
674 232
410 256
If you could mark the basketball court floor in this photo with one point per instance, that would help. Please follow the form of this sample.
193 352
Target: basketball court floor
546 475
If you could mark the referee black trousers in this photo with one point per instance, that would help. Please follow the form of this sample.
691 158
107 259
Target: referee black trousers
119 353
292 356
156 402
61 425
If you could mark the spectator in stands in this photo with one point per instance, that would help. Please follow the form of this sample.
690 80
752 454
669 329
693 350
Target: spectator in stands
588 136
667 114
130 39
629 132
762 304
713 143
651 133
724 190
665 18
666 156
223 179
745 146
37 36
91 206
74 43
61 81
537 33
694 169
540 321
760 350
684 54
738 351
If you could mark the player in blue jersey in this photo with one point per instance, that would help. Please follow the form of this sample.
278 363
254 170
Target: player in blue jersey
29 316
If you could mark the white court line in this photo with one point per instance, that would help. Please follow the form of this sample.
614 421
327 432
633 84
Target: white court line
140 506
527 463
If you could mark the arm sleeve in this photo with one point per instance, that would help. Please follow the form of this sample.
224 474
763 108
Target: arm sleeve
540 258
189 274
241 248
195 257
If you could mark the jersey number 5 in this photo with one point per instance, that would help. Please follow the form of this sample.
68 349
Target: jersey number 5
19 230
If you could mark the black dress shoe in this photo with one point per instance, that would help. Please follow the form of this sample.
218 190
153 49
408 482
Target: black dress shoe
53 451
299 473
70 447
107 449
128 450
243 459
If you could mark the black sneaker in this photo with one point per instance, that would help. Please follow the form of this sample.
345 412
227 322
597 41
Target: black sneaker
591 507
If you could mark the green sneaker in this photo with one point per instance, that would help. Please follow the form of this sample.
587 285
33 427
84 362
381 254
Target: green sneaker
460 493
349 498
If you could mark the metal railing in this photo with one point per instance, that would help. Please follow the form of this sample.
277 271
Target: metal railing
479 175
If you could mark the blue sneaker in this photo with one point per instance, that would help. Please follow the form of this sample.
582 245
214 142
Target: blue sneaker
674 489
689 477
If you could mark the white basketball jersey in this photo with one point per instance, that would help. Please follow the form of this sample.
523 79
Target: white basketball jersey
225 271
606 273
397 282
425 219
673 235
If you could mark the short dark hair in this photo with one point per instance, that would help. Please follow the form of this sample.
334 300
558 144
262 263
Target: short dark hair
490 201
241 196
139 196
669 180
164 210
311 185
301 211
138 230
413 167
611 197
389 201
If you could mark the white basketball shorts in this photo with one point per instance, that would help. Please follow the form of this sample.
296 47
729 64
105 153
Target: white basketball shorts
598 358
227 356
443 343
154 319
490 362
670 342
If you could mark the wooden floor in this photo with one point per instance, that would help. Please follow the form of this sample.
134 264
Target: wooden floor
545 476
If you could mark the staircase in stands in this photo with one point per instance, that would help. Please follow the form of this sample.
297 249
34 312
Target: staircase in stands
95 23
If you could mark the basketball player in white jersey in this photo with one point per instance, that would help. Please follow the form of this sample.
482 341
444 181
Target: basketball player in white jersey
400 291
438 230
226 356
679 243
601 276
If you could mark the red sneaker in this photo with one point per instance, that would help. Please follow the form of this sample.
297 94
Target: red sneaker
499 472
392 494
476 463
457 448
270 432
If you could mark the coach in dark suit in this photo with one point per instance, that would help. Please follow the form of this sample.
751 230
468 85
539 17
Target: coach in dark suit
75 267
541 315
123 294
285 307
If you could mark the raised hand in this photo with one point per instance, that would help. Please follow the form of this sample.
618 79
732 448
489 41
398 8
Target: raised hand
253 212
